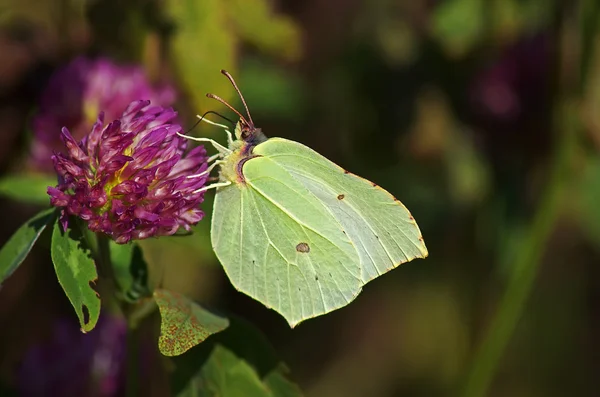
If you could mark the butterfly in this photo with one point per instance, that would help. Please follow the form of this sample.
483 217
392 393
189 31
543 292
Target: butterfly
294 230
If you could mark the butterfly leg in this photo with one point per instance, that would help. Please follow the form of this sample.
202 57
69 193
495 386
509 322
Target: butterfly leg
222 149
207 171
212 122
229 136
213 186
214 157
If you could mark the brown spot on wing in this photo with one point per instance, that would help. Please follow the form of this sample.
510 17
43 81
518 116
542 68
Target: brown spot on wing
303 248
340 197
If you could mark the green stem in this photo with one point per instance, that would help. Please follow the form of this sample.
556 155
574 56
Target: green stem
528 258
106 269
105 263
520 283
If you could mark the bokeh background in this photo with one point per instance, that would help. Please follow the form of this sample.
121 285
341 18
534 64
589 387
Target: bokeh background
482 116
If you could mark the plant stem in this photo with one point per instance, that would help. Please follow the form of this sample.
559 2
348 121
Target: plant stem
528 258
105 263
106 268
521 280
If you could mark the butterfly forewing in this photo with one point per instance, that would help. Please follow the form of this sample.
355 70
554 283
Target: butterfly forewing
380 227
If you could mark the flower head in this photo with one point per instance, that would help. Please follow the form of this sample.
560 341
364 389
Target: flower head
75 95
130 179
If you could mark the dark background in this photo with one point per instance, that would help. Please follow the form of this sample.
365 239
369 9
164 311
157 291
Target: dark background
482 117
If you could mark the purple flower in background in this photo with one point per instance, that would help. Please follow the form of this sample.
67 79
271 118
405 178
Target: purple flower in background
130 179
75 364
78 92
515 86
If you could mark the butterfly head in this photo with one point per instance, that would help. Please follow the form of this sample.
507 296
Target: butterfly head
248 133
244 129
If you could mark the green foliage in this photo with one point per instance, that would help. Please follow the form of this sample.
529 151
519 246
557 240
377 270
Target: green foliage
16 249
28 188
462 25
255 23
236 362
272 92
76 272
224 374
131 270
200 43
208 35
459 24
589 199
184 323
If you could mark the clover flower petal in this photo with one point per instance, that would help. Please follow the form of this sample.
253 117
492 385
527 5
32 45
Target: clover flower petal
132 178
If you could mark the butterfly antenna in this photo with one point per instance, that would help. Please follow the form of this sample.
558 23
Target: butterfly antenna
202 117
230 77
213 96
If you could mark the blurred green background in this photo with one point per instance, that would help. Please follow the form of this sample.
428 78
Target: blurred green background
482 117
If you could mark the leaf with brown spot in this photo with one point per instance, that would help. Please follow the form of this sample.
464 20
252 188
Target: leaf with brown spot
184 323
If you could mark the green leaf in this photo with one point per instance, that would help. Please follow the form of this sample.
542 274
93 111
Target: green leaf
184 323
256 23
16 249
131 270
27 188
201 46
226 375
236 362
76 272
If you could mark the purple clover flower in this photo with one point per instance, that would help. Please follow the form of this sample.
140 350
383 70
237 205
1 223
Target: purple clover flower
71 363
78 92
130 179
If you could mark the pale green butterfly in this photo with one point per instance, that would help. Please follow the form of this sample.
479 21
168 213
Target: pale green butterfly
297 232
